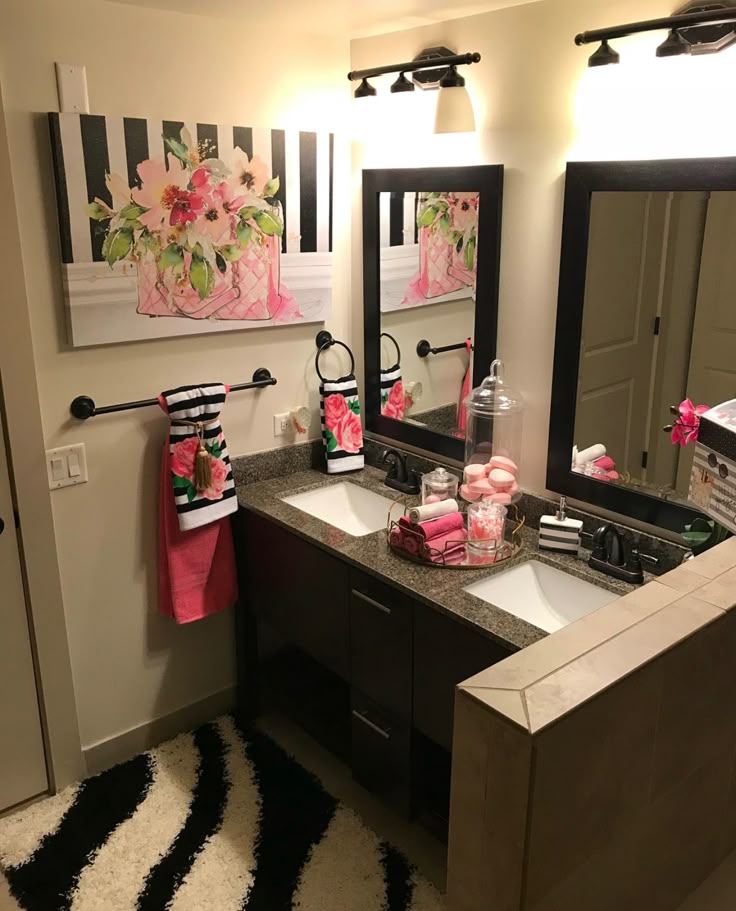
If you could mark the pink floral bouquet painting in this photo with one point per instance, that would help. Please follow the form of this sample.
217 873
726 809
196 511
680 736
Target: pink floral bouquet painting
190 221
448 241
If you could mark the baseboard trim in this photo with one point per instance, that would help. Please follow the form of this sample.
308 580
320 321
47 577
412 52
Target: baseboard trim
107 753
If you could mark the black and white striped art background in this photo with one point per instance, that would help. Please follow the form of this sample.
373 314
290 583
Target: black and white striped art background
219 819
398 219
88 146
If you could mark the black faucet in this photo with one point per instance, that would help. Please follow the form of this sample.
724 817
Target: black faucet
609 557
399 477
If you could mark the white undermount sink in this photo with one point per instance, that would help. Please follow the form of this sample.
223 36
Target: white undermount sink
349 507
542 595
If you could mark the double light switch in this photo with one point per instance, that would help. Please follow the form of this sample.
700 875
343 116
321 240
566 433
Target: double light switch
66 466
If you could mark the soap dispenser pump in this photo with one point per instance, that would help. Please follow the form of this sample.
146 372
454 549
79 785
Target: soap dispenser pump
559 532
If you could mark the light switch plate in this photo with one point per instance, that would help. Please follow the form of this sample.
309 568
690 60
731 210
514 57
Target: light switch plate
71 85
66 466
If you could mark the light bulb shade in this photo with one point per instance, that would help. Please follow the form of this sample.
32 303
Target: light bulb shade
604 56
402 84
454 113
673 45
365 90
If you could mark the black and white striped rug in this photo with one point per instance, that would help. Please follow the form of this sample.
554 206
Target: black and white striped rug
215 819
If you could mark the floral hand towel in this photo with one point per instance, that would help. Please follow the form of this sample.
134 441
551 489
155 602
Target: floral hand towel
393 404
341 428
202 479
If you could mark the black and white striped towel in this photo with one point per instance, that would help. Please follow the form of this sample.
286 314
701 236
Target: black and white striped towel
341 428
199 404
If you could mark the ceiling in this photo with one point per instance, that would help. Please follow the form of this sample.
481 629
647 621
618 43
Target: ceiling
353 18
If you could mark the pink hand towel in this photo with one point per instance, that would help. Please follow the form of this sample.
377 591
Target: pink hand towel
445 544
197 573
434 528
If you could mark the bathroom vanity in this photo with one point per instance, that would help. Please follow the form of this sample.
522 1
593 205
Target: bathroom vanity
361 647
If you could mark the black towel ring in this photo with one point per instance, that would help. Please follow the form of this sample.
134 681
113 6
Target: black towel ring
398 350
324 341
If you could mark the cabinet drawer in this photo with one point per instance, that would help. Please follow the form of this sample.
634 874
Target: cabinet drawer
299 589
381 753
381 645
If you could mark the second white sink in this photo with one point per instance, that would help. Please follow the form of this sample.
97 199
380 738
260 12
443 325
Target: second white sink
542 595
349 507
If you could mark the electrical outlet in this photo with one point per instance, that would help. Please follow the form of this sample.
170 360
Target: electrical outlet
282 424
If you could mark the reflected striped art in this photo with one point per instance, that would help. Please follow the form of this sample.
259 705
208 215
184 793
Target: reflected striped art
226 269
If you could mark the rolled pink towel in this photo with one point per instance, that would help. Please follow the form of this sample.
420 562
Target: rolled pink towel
449 557
434 528
445 543
605 463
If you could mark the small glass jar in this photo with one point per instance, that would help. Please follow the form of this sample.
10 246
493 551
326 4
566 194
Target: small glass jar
486 524
438 485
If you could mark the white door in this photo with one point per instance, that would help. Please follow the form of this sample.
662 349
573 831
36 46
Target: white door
624 257
712 372
22 759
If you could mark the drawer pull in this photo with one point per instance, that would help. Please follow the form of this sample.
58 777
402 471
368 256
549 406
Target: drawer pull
384 732
376 604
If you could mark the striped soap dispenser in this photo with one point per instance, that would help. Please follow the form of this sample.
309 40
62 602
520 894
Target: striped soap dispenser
559 532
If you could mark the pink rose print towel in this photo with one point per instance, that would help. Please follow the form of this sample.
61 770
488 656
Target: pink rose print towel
197 574
393 404
341 428
200 471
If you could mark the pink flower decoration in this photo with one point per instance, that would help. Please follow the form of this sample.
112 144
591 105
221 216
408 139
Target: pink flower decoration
686 427
185 208
230 200
182 457
218 470
335 408
349 432
158 185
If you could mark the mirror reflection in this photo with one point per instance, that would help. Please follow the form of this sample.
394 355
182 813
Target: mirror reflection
659 324
428 270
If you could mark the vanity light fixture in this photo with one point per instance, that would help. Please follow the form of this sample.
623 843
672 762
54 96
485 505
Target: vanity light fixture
432 68
673 45
698 28
365 90
604 55
402 84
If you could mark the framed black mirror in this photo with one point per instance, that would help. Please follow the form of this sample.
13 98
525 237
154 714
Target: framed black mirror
431 249
645 319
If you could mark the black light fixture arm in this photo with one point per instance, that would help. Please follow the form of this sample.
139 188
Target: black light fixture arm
428 63
686 20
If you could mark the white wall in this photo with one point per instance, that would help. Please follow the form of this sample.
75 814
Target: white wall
538 106
129 664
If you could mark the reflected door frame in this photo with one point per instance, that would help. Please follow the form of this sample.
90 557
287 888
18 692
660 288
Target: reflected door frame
487 180
582 180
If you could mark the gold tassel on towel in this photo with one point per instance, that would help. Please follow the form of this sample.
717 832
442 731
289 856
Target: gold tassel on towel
202 467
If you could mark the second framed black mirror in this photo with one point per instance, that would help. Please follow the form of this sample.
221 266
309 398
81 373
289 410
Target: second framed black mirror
431 251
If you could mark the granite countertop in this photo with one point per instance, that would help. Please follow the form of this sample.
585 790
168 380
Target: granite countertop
439 587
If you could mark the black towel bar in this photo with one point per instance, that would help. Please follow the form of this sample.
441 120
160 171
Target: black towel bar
424 348
84 407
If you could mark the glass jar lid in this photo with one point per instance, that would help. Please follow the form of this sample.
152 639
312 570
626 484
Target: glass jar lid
494 396
440 479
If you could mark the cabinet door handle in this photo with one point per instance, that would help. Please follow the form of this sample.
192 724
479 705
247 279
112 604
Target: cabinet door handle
376 604
384 732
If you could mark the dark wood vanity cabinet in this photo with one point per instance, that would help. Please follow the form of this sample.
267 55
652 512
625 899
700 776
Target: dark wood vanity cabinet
372 671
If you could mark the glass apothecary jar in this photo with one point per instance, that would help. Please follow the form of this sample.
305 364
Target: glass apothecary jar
438 485
493 436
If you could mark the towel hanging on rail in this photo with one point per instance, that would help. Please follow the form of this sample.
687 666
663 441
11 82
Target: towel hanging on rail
197 574
202 478
393 404
339 410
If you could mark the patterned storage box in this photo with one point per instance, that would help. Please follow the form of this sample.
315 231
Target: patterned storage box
713 476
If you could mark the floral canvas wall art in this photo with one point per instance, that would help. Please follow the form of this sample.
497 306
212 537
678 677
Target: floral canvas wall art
428 248
170 228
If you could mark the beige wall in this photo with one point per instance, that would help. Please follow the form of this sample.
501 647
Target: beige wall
537 106
130 665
